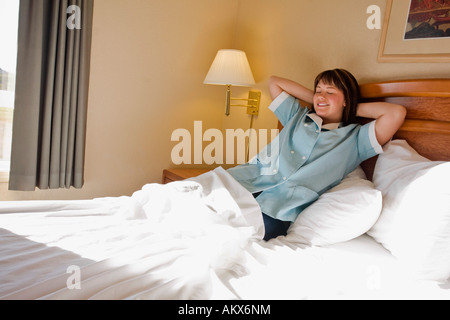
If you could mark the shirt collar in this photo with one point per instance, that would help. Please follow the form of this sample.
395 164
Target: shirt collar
318 120
332 126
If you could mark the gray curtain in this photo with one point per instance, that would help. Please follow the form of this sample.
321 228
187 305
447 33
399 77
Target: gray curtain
52 82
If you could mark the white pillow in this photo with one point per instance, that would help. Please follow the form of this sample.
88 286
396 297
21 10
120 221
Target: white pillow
415 221
341 214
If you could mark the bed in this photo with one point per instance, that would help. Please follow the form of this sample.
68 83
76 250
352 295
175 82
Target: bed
383 233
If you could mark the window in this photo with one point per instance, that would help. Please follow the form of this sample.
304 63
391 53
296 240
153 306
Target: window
9 17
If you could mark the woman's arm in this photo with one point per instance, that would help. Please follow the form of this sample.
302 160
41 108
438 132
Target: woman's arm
277 85
389 118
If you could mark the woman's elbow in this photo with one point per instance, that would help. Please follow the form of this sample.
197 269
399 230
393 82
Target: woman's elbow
274 87
397 117
400 113
387 125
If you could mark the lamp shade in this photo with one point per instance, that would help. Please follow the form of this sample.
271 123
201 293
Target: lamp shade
230 67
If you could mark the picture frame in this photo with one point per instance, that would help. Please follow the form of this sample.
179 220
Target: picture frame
395 48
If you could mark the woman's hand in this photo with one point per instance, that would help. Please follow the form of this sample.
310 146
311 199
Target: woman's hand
389 118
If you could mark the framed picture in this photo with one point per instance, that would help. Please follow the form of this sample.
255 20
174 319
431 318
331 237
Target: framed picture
416 31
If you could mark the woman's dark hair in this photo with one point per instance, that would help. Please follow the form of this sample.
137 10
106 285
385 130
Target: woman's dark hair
346 82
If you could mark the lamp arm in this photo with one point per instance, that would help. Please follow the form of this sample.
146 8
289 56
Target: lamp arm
244 99
254 99
228 99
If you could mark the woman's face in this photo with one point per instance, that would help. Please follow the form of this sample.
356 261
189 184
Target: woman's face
329 102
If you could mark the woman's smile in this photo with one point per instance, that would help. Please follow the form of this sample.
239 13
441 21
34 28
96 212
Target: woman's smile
328 102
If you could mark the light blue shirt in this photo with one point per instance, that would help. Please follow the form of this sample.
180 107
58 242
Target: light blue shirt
303 161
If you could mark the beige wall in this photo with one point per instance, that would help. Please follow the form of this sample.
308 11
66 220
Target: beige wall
298 39
150 57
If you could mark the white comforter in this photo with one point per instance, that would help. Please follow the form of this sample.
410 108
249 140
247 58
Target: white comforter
196 239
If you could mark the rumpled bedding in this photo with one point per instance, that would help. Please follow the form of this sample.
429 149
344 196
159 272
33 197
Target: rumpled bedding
194 239
163 242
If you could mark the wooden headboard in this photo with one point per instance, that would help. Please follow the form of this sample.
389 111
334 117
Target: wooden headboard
427 124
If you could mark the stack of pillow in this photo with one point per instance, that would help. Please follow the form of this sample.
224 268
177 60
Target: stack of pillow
406 209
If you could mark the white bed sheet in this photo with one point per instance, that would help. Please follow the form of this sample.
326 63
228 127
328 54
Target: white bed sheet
182 241
357 269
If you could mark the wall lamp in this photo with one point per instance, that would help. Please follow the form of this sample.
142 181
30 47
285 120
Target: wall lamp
231 67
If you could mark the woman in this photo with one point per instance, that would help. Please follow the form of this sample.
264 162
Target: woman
317 148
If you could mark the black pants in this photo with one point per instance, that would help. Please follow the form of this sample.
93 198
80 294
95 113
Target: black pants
273 227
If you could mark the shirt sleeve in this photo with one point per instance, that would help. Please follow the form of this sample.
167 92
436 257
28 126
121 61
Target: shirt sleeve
368 145
285 107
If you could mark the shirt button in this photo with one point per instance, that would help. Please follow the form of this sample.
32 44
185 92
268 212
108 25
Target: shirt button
292 152
306 125
303 158
284 178
317 131
275 171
